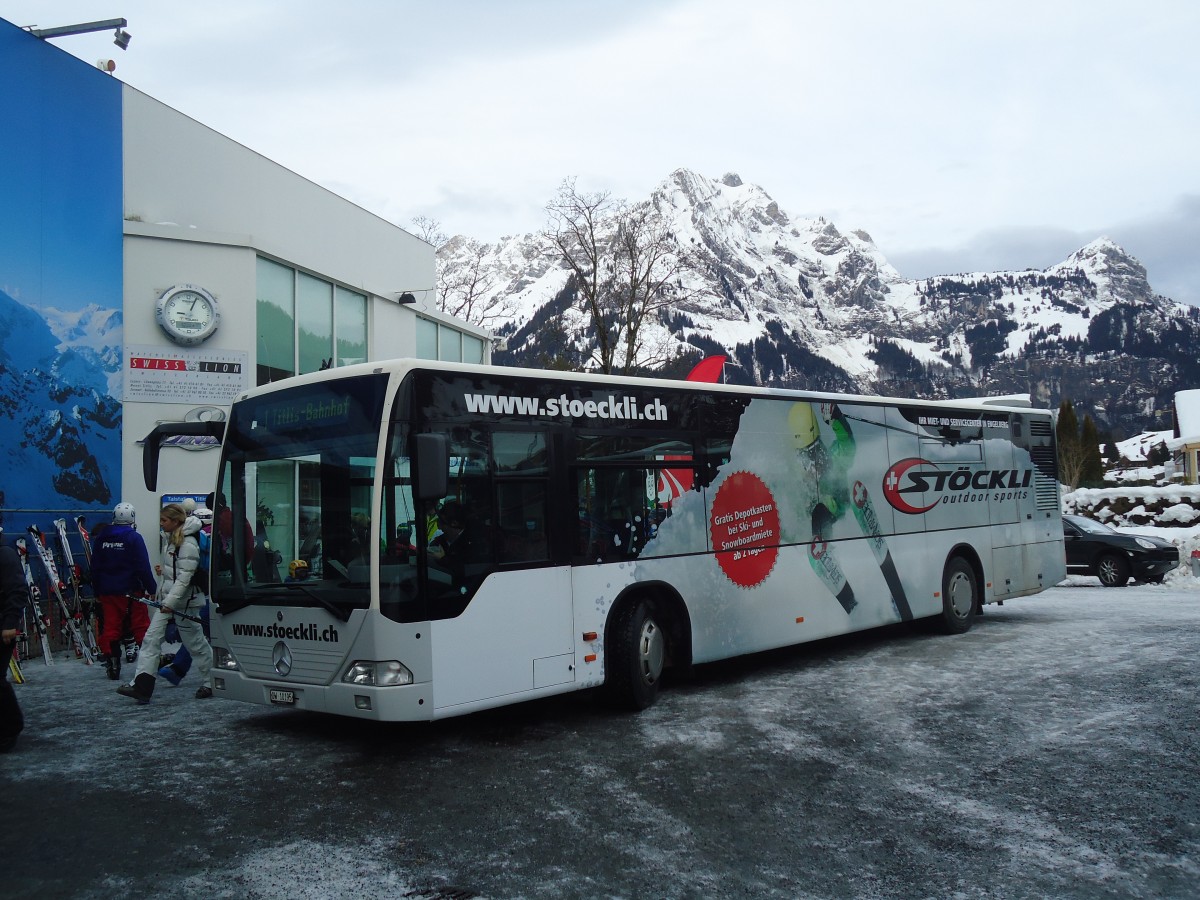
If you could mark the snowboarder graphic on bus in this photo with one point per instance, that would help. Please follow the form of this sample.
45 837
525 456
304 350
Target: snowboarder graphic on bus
826 472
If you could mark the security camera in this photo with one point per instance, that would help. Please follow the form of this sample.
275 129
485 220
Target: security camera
106 65
121 38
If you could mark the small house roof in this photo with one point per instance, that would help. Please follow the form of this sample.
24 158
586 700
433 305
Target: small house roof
1187 419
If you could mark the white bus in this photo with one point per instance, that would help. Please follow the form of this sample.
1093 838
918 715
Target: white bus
411 540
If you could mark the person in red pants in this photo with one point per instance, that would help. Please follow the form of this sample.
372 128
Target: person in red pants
121 567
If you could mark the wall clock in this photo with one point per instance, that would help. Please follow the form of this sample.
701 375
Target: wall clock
188 314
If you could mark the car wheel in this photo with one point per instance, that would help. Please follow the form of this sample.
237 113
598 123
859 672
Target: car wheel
960 596
637 655
1112 570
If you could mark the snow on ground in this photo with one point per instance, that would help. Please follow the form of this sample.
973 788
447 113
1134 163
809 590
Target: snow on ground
860 767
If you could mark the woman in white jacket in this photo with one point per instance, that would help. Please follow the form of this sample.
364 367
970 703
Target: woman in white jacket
180 559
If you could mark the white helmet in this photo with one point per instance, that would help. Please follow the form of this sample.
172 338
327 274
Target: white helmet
124 514
204 514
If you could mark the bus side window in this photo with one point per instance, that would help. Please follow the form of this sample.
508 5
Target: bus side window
617 512
520 459
521 511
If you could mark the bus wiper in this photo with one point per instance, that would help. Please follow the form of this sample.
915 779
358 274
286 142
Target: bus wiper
324 602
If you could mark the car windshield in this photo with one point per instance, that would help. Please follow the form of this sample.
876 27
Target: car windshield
1091 526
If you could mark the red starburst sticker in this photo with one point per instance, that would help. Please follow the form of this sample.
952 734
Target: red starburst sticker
745 529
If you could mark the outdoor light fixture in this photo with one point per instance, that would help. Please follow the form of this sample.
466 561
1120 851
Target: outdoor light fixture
120 37
407 298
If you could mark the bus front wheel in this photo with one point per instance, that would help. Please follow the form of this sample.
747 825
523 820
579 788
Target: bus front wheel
960 597
637 654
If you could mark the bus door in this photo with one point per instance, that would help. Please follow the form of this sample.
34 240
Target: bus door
905 494
1007 573
1039 504
502 609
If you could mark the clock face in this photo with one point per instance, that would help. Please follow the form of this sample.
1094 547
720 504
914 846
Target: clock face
188 314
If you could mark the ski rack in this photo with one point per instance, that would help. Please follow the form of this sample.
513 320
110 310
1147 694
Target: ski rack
56 586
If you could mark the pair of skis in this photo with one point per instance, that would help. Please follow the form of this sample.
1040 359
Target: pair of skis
76 625
87 606
41 619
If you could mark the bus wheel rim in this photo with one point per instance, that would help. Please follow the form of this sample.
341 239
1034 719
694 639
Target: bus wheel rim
651 651
961 596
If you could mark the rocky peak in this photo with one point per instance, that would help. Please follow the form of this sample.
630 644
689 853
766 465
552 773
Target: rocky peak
1118 276
804 303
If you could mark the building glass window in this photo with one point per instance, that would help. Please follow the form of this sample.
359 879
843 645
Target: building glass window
350 325
449 344
275 315
427 339
305 322
472 349
314 322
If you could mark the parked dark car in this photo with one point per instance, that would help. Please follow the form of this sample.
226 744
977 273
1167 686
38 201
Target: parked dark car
1095 549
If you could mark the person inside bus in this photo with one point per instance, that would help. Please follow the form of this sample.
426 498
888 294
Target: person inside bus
223 525
459 545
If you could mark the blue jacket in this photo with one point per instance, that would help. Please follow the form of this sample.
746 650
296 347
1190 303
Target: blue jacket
14 593
120 563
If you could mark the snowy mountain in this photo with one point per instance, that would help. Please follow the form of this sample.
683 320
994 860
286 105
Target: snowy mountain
801 303
92 334
60 421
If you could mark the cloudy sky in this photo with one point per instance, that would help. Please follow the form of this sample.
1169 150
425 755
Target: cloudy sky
961 136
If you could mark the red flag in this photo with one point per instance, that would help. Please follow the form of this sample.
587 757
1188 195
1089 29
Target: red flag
708 370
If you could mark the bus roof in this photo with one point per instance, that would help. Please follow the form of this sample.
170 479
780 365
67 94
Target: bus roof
402 365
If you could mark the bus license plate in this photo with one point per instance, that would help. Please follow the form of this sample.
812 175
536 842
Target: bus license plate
286 698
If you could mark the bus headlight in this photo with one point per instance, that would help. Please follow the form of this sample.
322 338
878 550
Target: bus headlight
385 673
223 659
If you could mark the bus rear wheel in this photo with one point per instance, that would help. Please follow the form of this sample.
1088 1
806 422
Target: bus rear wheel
960 597
637 653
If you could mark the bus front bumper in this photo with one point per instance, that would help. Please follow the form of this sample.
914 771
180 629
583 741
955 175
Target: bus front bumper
397 703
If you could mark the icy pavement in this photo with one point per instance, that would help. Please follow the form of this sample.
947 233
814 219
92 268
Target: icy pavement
1050 752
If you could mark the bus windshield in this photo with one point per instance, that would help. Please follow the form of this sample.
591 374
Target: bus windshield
292 515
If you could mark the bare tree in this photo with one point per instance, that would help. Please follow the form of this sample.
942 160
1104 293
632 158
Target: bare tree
625 265
467 282
464 281
430 231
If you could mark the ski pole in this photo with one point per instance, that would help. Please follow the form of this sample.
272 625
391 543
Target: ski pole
157 605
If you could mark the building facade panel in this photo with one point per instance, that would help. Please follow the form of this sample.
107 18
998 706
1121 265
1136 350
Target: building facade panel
111 202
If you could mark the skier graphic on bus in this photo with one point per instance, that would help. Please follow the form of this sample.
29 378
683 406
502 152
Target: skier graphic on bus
824 476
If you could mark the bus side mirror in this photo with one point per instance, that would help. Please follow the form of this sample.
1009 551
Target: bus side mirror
196 434
433 466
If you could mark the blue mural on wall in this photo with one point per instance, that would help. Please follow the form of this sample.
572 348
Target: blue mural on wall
60 279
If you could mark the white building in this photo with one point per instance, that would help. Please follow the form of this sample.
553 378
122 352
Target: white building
1186 443
122 220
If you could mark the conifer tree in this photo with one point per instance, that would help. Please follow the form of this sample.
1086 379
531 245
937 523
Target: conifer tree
1091 472
1070 448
